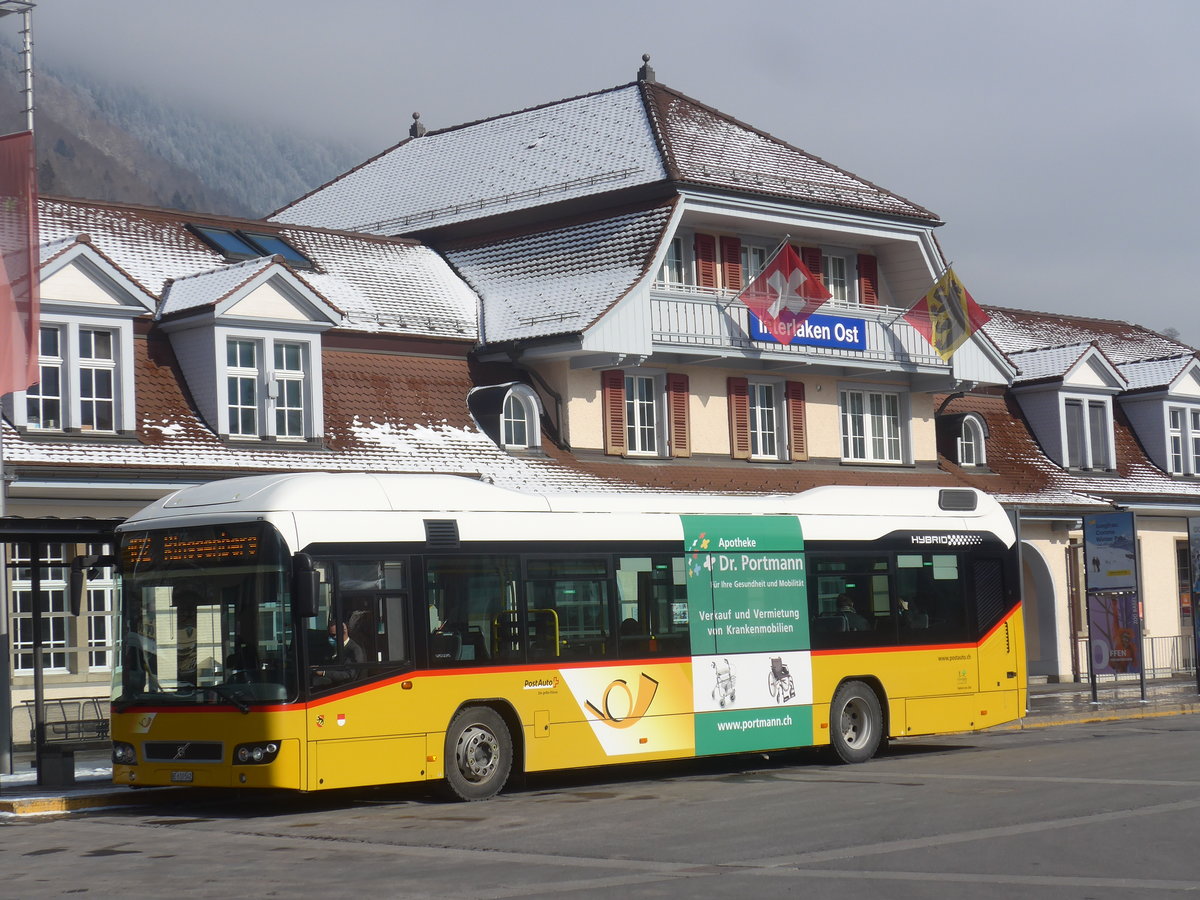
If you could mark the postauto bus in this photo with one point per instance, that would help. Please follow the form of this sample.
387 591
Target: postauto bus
316 631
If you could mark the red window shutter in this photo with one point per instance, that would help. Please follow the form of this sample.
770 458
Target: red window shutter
731 263
706 261
811 257
797 434
612 397
868 280
739 417
677 403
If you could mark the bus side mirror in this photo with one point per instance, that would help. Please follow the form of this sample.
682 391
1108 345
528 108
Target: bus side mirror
76 581
307 585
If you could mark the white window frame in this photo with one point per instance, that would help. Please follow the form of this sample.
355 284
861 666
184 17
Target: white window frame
1087 450
274 385
866 437
56 617
1183 438
971 446
842 285
754 260
674 271
642 437
520 406
768 419
71 364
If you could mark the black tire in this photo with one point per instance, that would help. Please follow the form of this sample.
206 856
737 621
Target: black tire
855 722
479 754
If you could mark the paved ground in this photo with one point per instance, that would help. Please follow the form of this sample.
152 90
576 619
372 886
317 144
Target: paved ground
1050 705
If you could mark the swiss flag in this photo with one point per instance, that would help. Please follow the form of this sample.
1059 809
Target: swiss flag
784 294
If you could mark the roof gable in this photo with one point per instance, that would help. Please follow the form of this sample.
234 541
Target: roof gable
75 273
261 289
1175 375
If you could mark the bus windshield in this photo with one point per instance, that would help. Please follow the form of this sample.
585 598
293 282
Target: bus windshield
205 617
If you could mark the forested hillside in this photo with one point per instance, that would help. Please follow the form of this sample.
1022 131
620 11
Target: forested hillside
103 141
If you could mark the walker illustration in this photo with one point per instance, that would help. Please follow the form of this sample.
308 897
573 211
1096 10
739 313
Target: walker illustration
724 691
779 681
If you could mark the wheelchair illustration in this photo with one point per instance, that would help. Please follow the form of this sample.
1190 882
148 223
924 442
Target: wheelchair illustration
724 691
779 681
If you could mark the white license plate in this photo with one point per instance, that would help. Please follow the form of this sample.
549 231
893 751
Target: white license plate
181 777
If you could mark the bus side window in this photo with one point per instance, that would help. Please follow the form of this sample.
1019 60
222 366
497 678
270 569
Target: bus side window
933 602
474 619
568 615
652 607
850 600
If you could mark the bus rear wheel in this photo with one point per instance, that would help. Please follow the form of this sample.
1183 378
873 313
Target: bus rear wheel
479 754
855 722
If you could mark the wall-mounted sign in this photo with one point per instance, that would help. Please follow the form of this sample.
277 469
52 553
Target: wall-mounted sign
818 331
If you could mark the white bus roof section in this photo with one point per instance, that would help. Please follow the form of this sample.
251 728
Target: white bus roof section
828 513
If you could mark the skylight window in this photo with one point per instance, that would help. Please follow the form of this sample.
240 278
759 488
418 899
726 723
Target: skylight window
249 245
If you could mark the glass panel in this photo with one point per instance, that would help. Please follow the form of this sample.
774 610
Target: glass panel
474 612
932 599
1073 411
850 603
1098 424
652 600
568 612
273 245
515 433
227 242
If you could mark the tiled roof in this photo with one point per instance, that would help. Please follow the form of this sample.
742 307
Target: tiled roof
383 412
573 148
1015 330
1021 474
1034 365
632 135
705 146
559 281
1155 373
380 284
207 288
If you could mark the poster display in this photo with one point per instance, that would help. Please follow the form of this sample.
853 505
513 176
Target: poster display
748 622
1110 552
1114 633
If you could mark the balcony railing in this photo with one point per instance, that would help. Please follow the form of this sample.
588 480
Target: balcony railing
686 317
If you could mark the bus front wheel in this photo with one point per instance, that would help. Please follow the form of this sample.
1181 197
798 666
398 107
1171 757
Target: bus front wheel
855 722
479 754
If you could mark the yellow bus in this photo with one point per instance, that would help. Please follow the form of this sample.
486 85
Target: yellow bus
317 631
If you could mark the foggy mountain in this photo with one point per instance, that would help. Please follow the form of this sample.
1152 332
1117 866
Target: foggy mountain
103 141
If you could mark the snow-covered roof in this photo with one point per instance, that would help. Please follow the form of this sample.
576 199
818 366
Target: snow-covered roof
206 288
633 135
1014 331
1155 373
559 281
381 285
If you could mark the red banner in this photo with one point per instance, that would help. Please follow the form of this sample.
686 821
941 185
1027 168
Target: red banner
18 263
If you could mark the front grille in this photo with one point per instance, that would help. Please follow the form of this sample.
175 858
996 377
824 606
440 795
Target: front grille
184 751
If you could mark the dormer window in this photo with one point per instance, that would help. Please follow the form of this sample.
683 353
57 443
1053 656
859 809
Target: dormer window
238 245
970 443
253 392
519 422
1087 423
1184 439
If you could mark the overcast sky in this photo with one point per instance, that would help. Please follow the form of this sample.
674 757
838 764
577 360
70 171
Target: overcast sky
1058 139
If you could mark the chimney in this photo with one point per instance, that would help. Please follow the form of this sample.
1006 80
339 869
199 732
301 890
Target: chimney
645 73
416 129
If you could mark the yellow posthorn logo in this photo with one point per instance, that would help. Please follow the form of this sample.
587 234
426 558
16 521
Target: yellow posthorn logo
647 688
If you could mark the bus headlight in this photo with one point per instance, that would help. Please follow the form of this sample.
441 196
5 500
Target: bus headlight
256 753
123 754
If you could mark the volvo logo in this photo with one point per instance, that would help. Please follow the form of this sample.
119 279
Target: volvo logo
183 748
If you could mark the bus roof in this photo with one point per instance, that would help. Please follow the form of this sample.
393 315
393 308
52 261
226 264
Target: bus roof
442 494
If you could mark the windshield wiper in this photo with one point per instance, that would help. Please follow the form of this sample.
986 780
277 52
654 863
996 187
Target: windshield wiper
230 695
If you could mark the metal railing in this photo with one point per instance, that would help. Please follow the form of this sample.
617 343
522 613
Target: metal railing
688 317
1173 654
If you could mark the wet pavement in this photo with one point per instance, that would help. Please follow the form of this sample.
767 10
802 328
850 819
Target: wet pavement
1049 705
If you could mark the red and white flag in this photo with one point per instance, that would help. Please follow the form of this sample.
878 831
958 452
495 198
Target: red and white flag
784 294
18 263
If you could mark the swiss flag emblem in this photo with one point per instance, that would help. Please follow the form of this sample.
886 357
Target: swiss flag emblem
784 294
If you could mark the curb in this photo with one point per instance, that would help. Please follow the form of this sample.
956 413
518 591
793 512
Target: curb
100 798
1099 716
